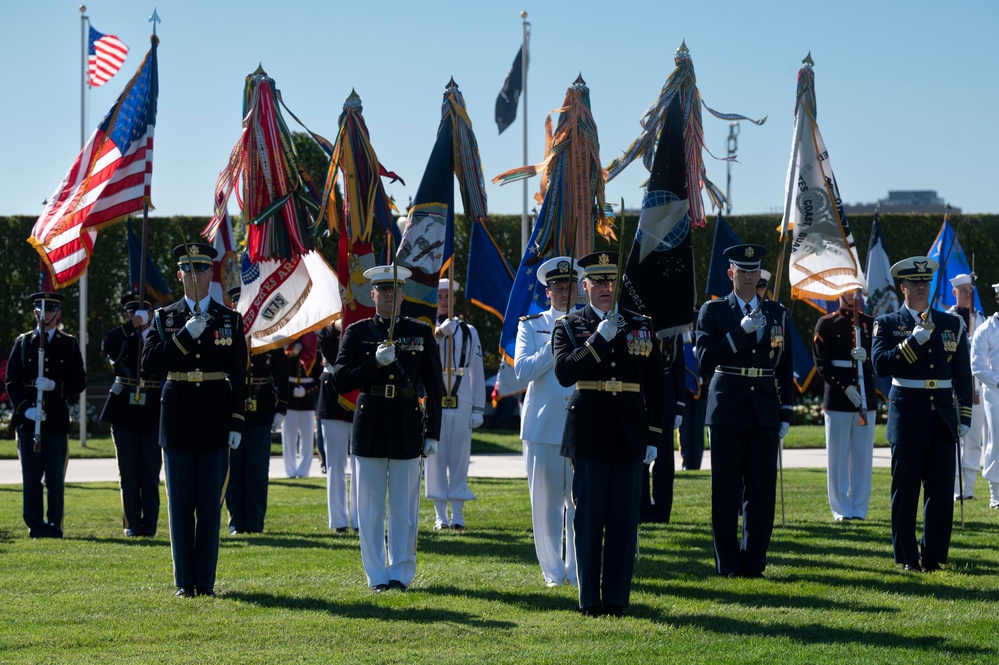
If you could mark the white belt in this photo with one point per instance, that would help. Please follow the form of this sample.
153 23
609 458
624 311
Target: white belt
304 379
927 384
842 363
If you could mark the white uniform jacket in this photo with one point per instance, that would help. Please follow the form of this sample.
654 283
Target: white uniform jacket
543 414
465 368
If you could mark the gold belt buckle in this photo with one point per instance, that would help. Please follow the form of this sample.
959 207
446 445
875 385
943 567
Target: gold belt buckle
449 402
613 386
195 376
931 384
752 372
390 391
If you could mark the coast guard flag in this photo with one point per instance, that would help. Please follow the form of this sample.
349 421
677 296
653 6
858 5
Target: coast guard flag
109 181
658 279
106 55
881 295
947 251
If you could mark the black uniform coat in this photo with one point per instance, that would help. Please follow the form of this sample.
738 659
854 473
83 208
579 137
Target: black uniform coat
833 340
198 416
123 347
270 397
63 364
912 412
604 426
742 401
328 405
390 427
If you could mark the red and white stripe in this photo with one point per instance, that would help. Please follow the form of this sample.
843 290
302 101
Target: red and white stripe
102 187
109 56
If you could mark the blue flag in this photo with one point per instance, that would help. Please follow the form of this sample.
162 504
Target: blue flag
803 364
947 251
719 284
157 291
490 277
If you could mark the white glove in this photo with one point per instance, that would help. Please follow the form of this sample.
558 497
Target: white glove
299 391
853 395
142 315
35 414
278 421
650 455
195 326
607 329
749 324
385 355
117 388
859 354
234 439
44 383
296 349
447 328
782 432
921 334
476 420
677 421
429 447
962 429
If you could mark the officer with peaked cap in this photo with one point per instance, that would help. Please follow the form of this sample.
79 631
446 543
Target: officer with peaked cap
985 367
462 405
542 420
740 339
199 346
390 429
925 352
265 404
133 411
963 288
62 379
613 425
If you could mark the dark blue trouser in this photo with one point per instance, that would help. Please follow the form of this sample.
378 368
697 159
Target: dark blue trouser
692 432
607 496
932 469
249 469
194 483
50 462
139 461
743 472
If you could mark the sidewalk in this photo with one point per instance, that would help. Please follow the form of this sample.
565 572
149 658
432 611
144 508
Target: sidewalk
481 466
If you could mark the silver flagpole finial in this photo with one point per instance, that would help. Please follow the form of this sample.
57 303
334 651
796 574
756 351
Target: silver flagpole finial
154 19
808 60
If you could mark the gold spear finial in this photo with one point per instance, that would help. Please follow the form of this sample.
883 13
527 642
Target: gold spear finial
683 47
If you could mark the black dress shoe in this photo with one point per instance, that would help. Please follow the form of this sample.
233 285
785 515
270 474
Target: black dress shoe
912 568
616 611
592 611
930 565
378 588
458 527
753 574
397 585
185 592
202 591
341 529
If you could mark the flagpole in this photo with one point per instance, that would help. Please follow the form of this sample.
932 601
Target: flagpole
83 278
523 78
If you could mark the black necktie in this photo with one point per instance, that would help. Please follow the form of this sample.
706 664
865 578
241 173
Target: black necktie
749 310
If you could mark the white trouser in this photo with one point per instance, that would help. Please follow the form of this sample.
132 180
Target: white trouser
447 471
990 460
401 479
849 460
298 435
971 450
549 479
340 463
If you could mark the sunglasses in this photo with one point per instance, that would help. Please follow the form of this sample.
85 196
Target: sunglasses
198 267
49 307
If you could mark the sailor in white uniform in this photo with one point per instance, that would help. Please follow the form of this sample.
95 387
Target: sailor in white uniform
985 367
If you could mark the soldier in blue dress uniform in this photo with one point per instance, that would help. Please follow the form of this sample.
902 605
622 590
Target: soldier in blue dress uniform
63 378
198 345
925 352
390 429
133 411
613 425
249 465
741 340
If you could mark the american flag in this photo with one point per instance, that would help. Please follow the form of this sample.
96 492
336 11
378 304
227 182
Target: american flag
109 180
106 56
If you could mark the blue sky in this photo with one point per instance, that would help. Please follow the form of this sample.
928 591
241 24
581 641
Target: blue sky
906 90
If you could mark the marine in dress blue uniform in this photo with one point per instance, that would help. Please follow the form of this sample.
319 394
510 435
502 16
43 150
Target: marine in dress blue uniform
199 346
925 352
133 411
266 402
613 425
740 339
63 378
390 429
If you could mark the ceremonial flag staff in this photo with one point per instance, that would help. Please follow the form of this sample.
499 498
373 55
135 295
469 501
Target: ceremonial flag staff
84 279
524 229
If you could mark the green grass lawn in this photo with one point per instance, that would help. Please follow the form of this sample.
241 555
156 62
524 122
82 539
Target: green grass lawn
297 594
483 441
